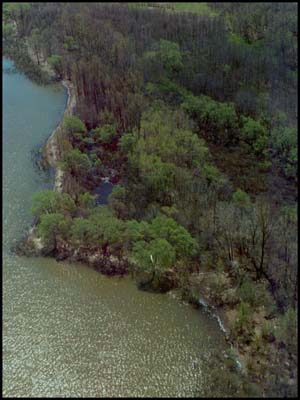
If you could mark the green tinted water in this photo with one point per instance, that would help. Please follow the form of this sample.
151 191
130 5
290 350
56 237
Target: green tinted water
67 330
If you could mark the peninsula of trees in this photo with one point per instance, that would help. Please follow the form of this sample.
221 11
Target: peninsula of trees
191 112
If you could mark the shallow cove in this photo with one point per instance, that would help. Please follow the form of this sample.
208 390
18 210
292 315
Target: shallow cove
67 330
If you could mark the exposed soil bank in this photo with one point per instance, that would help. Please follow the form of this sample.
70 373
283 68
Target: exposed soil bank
51 152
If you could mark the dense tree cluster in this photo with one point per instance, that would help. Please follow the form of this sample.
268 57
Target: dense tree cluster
242 55
156 90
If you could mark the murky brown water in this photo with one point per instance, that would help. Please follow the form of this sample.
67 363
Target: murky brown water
67 330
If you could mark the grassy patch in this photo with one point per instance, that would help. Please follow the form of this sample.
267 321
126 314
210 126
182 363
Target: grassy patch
196 8
241 41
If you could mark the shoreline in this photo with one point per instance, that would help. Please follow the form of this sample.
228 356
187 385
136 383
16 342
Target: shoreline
34 246
51 154
51 151
243 275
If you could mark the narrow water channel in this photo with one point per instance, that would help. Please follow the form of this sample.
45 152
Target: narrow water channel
67 330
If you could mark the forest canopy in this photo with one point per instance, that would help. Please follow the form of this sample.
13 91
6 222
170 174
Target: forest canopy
192 109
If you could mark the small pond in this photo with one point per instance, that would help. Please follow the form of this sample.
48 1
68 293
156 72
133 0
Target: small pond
102 192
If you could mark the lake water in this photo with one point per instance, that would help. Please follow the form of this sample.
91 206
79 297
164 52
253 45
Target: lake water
67 330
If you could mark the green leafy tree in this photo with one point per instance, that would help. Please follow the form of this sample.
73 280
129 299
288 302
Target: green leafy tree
137 231
100 228
85 232
254 133
77 163
104 134
156 175
242 327
117 201
169 53
49 202
17 12
167 228
165 59
128 141
255 294
106 117
285 143
70 43
74 125
86 200
111 229
217 120
241 199
162 138
8 32
53 226
154 257
211 173
284 139
55 62
167 90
